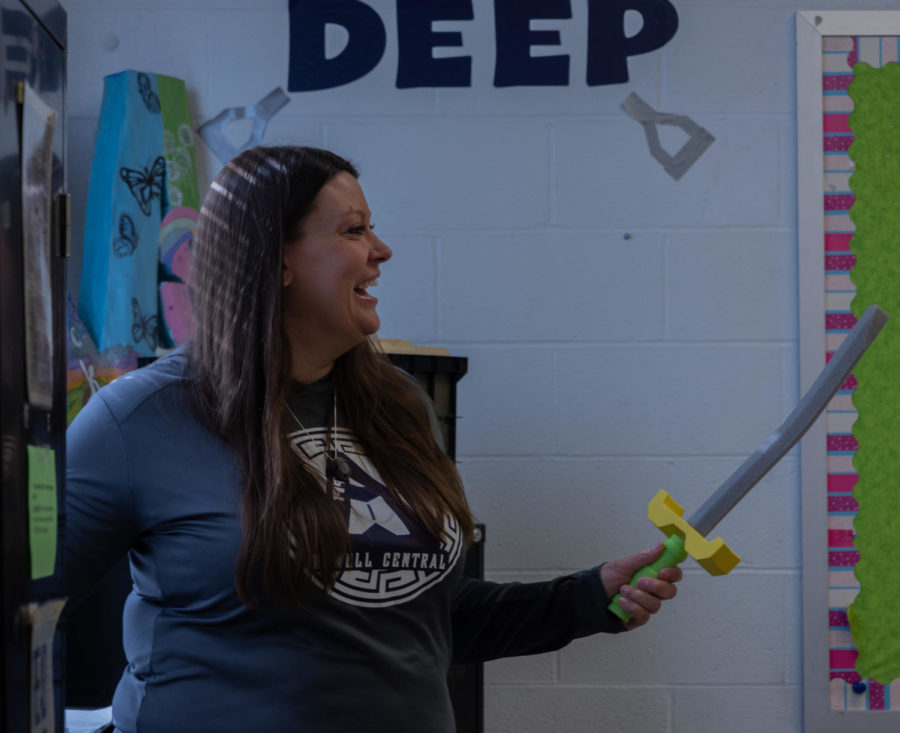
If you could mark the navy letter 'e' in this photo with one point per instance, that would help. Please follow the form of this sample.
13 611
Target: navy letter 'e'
515 66
609 48
416 67
308 69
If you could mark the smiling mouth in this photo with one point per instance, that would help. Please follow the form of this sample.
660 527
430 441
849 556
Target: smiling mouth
361 288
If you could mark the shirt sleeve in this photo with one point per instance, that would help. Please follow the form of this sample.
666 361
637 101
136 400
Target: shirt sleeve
493 620
100 523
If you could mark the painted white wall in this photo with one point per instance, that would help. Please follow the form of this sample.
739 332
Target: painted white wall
625 332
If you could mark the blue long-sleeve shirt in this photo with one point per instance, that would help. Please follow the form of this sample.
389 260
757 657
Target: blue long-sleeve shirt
145 477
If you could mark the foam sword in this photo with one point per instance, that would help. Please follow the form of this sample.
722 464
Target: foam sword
689 537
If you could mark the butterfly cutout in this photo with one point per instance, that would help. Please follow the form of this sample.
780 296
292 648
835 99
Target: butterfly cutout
127 241
151 101
145 185
143 328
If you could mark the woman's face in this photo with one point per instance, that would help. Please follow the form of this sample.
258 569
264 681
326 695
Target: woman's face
328 269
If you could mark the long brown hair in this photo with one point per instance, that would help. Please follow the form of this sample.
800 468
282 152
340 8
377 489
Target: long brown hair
240 366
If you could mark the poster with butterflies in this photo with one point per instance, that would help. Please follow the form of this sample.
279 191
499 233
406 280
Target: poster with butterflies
143 177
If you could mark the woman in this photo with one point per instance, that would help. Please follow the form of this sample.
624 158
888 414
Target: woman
296 534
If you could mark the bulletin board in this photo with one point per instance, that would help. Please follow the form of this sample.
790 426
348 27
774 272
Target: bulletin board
848 190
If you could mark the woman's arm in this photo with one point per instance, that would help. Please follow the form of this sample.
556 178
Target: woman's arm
493 620
100 525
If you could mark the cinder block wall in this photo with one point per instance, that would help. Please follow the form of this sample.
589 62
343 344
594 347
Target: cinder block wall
625 332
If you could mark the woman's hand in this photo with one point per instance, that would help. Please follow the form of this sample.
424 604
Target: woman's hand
646 599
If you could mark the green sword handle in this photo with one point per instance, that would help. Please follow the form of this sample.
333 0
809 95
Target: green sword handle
672 556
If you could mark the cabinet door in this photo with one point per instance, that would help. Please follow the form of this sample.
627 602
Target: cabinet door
29 55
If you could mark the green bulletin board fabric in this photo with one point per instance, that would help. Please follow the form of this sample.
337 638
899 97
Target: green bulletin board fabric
875 152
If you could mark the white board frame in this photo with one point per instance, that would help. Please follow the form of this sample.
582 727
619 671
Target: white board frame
811 26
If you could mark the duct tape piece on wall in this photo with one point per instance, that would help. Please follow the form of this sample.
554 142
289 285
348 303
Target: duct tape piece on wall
212 131
698 138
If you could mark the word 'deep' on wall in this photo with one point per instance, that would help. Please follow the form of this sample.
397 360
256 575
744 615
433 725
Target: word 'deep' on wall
608 44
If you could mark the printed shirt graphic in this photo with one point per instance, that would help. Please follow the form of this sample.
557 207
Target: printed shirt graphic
392 558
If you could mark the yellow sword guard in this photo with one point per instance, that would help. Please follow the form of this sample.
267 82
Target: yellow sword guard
714 556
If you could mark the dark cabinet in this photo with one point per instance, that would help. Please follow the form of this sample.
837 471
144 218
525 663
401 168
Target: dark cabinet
33 216
438 374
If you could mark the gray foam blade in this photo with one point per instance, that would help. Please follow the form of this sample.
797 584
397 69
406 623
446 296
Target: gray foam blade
792 429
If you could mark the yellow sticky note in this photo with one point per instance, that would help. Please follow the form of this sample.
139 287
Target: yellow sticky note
42 510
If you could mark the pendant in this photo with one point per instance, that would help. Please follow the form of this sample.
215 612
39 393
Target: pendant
340 467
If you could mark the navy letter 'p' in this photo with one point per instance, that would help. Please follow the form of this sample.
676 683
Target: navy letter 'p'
609 47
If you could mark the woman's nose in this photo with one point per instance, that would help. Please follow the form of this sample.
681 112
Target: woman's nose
380 251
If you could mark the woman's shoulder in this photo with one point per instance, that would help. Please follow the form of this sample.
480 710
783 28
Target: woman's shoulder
159 380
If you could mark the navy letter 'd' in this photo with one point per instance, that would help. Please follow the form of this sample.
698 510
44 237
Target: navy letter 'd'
309 69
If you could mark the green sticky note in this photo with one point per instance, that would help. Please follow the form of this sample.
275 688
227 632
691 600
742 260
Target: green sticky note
42 510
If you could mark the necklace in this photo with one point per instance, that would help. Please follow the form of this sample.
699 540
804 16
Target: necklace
335 465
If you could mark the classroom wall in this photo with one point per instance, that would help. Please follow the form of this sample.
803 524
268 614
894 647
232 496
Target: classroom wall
626 332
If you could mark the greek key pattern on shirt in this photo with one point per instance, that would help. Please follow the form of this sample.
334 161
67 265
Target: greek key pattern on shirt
392 559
